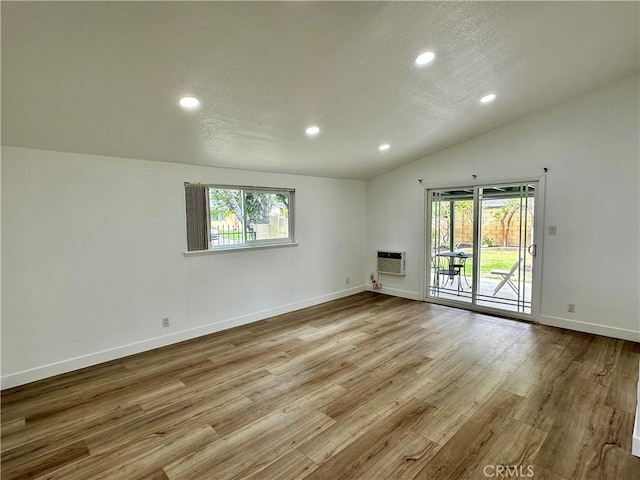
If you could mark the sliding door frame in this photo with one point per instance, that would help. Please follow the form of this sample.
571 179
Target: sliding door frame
538 237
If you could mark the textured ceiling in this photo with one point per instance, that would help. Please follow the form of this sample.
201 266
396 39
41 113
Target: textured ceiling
105 77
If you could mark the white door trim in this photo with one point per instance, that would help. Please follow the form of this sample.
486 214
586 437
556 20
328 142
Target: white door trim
539 229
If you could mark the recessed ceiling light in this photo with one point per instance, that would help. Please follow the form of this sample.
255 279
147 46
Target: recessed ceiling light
424 58
312 131
189 103
384 147
488 98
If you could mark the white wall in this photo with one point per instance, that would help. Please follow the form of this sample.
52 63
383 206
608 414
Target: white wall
0 260
92 251
591 147
92 246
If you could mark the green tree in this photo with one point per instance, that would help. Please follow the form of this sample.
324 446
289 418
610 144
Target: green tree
505 215
258 205
442 217
226 202
465 209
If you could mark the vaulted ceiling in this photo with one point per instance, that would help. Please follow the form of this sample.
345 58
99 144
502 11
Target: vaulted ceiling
105 77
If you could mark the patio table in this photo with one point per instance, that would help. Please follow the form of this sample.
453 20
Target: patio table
452 256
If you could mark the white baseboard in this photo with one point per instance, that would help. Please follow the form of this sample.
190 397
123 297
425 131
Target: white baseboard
597 329
398 293
71 364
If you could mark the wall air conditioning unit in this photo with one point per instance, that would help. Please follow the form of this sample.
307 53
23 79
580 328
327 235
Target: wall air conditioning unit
391 263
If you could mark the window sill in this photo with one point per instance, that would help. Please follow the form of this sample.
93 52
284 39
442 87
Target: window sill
241 248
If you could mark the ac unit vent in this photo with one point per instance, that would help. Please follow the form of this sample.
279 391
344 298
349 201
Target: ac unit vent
391 263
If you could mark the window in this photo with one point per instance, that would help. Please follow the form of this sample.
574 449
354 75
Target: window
223 217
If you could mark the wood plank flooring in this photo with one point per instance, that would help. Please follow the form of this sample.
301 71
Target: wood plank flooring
366 387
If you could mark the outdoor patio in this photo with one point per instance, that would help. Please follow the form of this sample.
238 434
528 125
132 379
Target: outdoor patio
458 288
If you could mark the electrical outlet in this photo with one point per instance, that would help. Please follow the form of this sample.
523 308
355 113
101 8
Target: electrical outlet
347 280
165 322
571 307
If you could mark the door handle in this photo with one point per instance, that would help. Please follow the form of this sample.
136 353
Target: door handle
532 249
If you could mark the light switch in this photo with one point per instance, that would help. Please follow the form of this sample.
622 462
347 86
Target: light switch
552 229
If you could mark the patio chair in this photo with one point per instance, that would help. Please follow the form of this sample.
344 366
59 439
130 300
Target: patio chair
506 277
456 267
449 274
460 264
437 270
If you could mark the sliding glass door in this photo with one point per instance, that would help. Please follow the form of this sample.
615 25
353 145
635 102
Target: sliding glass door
452 245
481 247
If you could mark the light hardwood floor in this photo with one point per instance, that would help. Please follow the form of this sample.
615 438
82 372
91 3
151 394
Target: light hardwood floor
366 387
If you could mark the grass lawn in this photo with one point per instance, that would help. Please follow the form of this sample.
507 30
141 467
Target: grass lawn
493 258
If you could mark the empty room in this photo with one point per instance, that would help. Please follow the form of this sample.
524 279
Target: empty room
320 240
